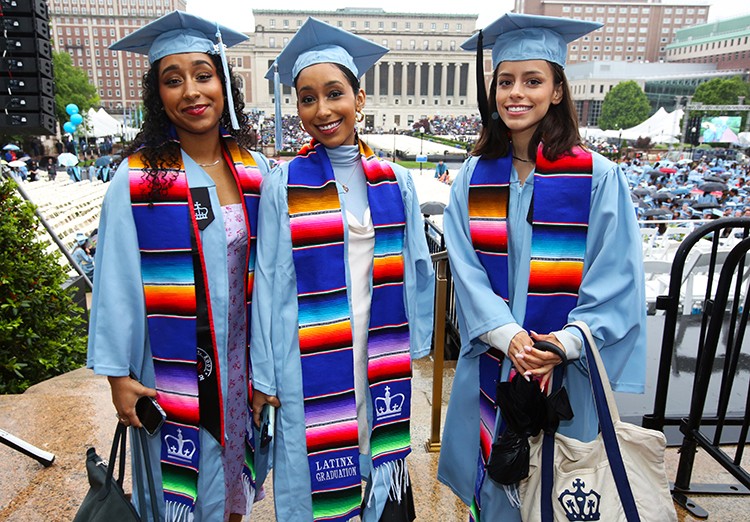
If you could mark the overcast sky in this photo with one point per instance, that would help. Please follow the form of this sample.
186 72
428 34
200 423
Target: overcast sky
237 14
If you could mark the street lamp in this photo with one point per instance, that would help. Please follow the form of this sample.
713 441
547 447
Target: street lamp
394 144
421 143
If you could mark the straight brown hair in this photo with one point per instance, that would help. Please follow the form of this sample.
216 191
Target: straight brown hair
558 129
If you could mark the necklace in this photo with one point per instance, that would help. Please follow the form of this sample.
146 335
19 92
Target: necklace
344 185
217 162
521 159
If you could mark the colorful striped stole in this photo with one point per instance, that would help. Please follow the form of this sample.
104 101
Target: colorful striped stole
325 332
165 222
561 205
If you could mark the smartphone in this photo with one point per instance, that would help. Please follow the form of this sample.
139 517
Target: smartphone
267 424
151 415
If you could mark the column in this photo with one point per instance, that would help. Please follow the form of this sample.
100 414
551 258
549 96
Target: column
418 83
443 83
376 85
431 82
391 80
456 84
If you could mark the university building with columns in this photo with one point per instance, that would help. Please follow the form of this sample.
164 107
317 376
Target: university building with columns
425 74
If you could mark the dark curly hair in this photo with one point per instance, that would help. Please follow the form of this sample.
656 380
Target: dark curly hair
160 153
558 128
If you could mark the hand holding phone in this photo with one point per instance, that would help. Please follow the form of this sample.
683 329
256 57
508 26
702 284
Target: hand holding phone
151 415
267 424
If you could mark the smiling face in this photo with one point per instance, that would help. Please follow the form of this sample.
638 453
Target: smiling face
525 91
191 92
328 105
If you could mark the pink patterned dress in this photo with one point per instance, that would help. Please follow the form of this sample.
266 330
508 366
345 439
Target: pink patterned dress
236 399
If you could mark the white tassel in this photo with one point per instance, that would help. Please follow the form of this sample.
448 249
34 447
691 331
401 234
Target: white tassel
249 492
513 495
178 513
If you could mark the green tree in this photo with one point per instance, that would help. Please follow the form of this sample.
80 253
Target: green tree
72 86
722 91
625 106
41 333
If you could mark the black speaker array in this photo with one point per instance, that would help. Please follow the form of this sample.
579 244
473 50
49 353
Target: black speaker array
27 89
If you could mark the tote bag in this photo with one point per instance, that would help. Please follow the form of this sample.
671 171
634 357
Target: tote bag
106 500
617 477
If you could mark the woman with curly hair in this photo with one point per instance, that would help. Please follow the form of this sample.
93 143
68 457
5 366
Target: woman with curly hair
176 253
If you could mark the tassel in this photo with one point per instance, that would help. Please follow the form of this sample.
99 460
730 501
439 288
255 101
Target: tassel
513 495
482 103
175 512
227 80
278 136
249 492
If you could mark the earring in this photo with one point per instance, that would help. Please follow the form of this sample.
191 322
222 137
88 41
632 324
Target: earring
495 116
360 116
301 126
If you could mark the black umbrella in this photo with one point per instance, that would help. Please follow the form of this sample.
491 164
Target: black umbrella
663 196
432 208
641 191
713 178
655 173
705 206
657 212
103 161
526 411
713 186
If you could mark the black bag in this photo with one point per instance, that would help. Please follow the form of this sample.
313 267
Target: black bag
106 500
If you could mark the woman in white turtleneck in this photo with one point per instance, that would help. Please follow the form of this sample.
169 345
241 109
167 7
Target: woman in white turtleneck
330 103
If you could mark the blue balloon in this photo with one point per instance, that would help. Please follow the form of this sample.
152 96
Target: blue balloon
76 119
71 109
69 127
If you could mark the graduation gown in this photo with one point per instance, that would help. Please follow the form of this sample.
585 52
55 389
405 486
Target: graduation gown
118 338
611 301
275 343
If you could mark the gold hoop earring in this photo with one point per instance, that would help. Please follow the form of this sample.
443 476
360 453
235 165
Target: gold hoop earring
360 116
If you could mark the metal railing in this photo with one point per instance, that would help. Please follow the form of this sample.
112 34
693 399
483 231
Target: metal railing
730 291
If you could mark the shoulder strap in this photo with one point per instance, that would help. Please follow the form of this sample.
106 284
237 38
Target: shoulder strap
606 410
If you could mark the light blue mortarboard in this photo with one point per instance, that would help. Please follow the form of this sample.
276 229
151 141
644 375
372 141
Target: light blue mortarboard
179 32
318 42
517 37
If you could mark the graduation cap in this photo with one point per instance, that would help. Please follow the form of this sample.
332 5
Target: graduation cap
517 37
179 32
318 42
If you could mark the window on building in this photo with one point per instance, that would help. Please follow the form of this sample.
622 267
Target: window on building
425 45
446 27
285 23
459 27
271 42
394 25
367 24
353 24
398 45
381 25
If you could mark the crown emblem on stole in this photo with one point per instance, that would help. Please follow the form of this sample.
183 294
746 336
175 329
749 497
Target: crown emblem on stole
180 448
580 505
389 405
201 212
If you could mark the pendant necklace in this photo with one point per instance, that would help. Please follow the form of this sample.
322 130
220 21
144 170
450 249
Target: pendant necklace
344 185
204 165
521 159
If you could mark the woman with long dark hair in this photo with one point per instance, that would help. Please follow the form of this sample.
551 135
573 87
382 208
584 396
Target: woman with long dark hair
347 289
540 232
175 259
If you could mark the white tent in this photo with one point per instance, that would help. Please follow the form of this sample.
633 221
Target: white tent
662 127
102 124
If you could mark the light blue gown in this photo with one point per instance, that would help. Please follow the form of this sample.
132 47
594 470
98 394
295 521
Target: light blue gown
275 342
118 339
611 301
